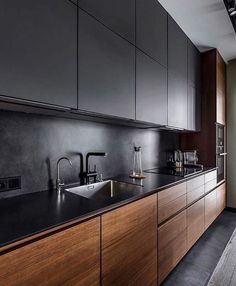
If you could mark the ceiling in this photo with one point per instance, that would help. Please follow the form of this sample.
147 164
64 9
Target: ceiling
207 24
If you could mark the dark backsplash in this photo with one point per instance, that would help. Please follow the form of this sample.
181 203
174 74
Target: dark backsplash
31 145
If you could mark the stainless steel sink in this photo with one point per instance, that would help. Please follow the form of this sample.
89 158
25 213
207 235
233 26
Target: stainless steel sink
103 190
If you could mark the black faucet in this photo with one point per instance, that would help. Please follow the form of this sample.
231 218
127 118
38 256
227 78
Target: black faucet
85 176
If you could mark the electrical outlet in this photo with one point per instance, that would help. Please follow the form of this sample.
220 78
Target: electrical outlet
9 184
3 184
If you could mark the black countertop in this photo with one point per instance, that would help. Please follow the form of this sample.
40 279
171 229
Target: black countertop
30 214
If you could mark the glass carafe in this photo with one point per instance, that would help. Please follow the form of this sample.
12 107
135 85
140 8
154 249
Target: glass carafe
137 164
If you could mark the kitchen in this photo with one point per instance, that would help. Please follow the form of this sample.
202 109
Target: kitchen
117 142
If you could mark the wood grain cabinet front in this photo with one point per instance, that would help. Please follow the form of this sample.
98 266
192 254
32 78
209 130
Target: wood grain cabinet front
69 257
129 244
221 198
210 181
210 176
171 201
210 208
195 222
172 244
195 189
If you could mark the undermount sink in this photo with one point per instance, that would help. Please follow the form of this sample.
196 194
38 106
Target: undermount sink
103 190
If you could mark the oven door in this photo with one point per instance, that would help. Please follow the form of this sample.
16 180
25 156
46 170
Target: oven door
220 135
220 168
220 163
220 152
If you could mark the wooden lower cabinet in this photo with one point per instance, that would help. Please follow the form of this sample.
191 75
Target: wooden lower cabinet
195 194
209 186
122 247
129 244
195 222
171 201
210 208
210 176
172 244
70 257
221 198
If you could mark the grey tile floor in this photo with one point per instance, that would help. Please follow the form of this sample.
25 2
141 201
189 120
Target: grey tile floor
197 266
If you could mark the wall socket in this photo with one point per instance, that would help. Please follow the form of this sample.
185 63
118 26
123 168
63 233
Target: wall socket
9 184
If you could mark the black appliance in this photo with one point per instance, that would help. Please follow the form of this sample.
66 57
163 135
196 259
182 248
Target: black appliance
180 172
220 152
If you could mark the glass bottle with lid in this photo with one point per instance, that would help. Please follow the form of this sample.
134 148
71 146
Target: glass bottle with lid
137 164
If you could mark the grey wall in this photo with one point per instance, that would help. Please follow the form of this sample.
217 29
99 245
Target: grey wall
231 134
31 144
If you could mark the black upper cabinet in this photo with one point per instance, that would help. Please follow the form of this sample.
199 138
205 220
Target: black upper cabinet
106 70
194 65
118 15
38 51
151 29
177 76
194 88
151 90
194 108
177 49
53 52
73 1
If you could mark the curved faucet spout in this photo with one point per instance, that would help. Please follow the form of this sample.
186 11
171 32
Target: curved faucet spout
59 184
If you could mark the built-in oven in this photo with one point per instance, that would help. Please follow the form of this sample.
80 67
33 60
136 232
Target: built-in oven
220 152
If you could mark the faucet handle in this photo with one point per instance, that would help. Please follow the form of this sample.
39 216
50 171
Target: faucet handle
100 178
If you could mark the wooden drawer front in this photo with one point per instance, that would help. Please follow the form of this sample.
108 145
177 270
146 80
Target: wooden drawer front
70 257
210 176
168 195
195 222
210 185
171 201
129 244
195 194
195 183
172 244
210 208
168 210
221 198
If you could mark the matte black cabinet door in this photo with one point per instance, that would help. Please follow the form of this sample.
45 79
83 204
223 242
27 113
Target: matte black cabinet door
194 108
151 29
151 90
194 65
118 15
106 70
177 76
38 51
194 96
74 1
